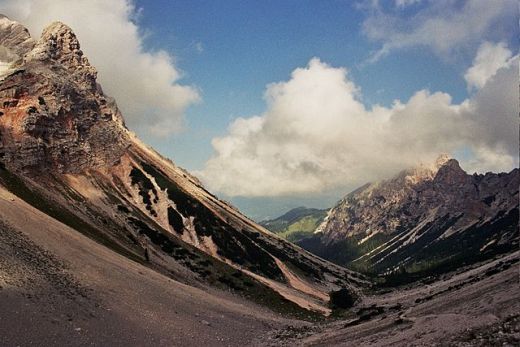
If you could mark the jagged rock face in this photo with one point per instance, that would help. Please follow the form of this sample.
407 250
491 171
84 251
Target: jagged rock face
58 44
421 208
52 113
397 204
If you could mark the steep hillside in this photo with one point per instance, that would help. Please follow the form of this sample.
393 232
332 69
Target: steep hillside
60 288
65 150
297 224
423 220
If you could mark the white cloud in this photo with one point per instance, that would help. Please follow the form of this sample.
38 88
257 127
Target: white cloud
317 136
405 3
445 26
144 83
490 57
199 47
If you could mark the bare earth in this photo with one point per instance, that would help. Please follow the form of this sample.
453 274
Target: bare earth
58 287
476 307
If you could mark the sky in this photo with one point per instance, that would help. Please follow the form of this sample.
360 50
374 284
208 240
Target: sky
278 104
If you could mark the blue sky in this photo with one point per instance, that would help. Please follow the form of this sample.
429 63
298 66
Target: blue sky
277 104
249 44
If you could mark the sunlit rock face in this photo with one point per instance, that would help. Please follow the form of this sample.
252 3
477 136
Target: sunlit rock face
53 113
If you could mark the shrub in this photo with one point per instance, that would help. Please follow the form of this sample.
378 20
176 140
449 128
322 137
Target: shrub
343 298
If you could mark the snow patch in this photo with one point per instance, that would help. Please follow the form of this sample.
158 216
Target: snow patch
366 238
488 244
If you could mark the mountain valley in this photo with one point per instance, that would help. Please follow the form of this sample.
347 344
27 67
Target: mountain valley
103 241
297 224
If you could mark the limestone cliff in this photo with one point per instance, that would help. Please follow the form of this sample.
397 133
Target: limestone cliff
53 114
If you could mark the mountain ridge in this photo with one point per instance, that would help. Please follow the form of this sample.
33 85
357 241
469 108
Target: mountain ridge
376 227
65 149
296 224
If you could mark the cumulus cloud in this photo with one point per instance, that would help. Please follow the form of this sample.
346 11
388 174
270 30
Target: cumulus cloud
444 26
490 58
317 136
144 83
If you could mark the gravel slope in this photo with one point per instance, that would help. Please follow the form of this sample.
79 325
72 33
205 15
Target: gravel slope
58 287
472 307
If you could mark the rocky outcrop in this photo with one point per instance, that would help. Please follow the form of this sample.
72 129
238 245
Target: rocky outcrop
15 40
52 112
404 220
59 45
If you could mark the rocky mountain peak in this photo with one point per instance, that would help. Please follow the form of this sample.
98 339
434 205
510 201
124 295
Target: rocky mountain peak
424 171
59 44
53 114
442 160
425 206
392 204
66 140
451 173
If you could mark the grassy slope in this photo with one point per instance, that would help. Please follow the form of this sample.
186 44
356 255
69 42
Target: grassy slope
297 224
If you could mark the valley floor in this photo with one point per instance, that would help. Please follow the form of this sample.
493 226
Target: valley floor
473 307
58 287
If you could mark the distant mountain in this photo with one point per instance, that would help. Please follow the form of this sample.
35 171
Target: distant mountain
297 224
424 220
65 150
